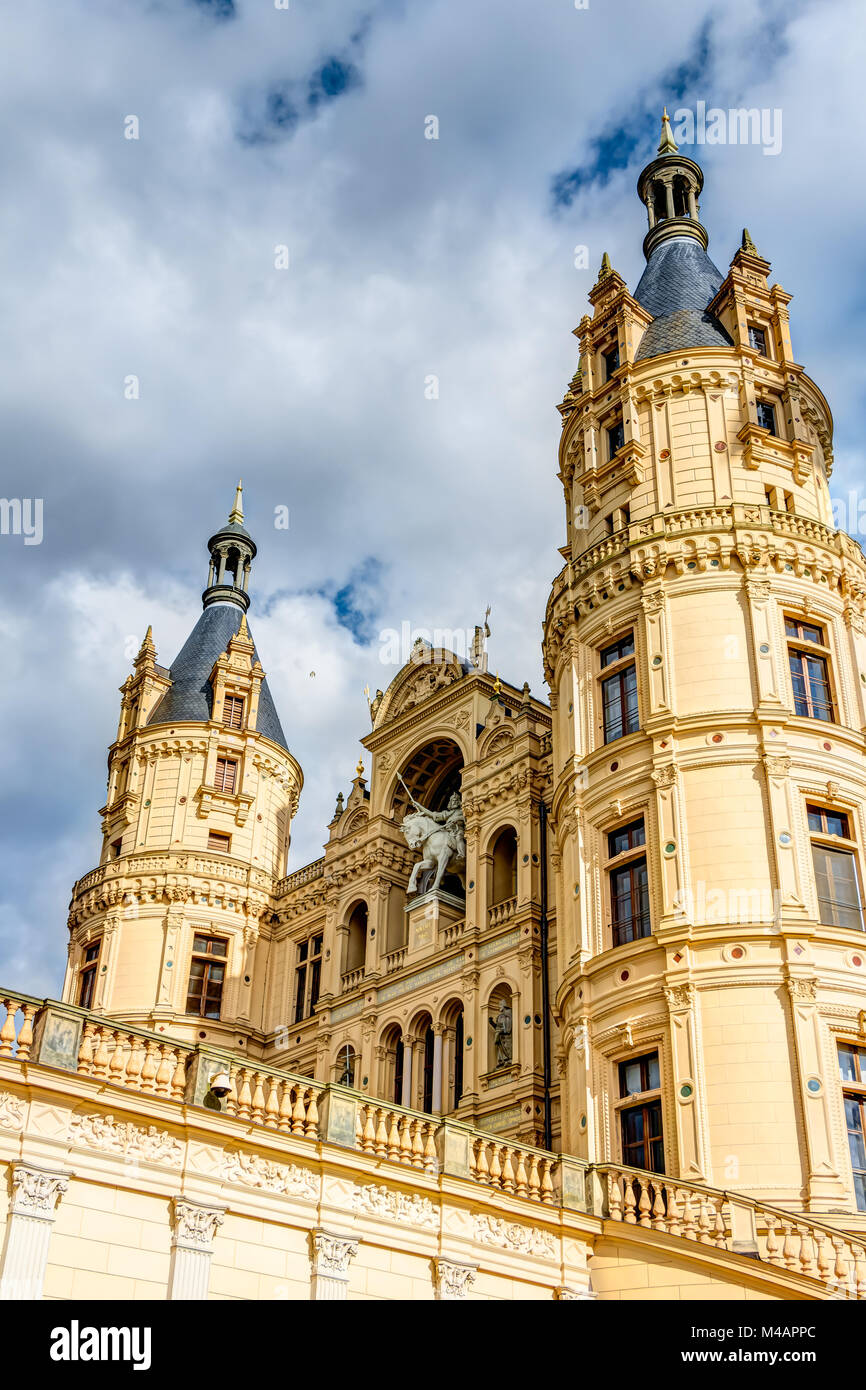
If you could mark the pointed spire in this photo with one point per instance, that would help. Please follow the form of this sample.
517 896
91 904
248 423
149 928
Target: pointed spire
147 651
667 144
747 244
606 267
237 511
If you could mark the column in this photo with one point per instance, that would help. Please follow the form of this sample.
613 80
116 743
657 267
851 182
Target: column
453 1281
35 1195
193 1229
221 575
436 1105
331 1255
406 1098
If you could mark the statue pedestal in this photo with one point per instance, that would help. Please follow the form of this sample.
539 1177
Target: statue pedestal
427 917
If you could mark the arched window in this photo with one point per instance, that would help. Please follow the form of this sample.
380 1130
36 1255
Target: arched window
681 197
355 940
346 1061
398 1072
458 1060
660 204
504 866
427 1077
393 1065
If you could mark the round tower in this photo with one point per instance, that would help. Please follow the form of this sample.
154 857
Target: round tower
171 930
705 648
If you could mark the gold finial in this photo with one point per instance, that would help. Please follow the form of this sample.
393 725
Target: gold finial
237 511
667 145
359 770
497 684
747 244
606 267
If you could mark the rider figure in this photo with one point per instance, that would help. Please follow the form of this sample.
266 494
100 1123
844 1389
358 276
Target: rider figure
451 818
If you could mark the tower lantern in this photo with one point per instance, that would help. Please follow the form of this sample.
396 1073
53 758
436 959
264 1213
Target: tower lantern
669 187
232 551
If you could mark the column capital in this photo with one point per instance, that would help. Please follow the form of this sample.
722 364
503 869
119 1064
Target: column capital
453 1280
36 1191
194 1225
331 1256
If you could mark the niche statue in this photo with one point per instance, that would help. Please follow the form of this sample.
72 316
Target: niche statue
502 1039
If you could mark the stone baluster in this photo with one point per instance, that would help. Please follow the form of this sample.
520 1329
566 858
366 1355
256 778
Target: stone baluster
117 1064
773 1252
311 1128
614 1197
25 1037
643 1204
102 1056
7 1032
629 1202
85 1051
521 1177
135 1063
178 1080
547 1184
688 1215
659 1214
258 1107
673 1213
165 1071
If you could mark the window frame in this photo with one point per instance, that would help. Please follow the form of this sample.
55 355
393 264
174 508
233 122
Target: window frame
823 838
224 762
803 649
854 1091
761 328
308 975
231 702
772 430
646 1101
88 971
221 835
632 858
614 670
616 428
211 959
606 353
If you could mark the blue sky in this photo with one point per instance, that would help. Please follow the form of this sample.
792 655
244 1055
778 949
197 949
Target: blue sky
408 259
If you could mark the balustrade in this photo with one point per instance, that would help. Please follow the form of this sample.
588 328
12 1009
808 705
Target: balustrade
501 912
401 1135
513 1168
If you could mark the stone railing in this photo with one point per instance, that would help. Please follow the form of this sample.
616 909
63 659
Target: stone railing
501 912
513 1168
132 1058
451 933
301 876
16 1035
404 1136
395 960
351 979
736 1222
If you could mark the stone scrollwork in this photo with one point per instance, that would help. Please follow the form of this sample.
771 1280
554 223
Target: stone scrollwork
11 1111
254 1171
510 1235
134 1142
396 1206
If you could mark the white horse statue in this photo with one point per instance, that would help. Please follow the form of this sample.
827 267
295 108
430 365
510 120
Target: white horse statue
440 837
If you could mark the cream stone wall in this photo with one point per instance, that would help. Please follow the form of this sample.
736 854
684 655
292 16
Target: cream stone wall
136 1170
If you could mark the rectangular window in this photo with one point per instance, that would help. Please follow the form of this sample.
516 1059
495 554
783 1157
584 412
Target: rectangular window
629 883
836 877
767 416
308 977
233 712
619 689
758 339
226 774
808 660
611 362
852 1069
206 976
641 1123
87 976
615 438
216 840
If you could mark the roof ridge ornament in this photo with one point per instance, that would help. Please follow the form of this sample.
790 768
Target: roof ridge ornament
667 144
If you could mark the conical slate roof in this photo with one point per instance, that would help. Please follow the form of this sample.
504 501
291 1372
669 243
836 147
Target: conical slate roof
677 285
190 697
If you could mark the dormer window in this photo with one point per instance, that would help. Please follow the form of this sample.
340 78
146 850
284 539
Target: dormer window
766 416
758 339
615 438
233 712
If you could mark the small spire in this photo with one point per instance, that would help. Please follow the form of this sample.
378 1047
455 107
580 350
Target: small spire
243 630
147 651
237 511
606 267
747 244
667 145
